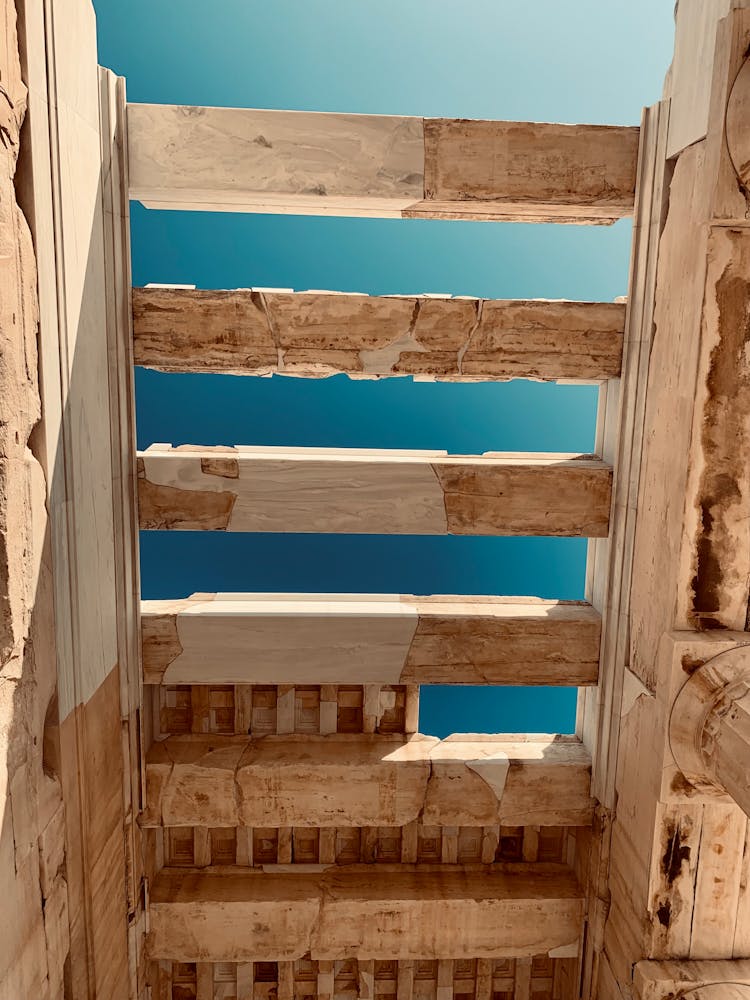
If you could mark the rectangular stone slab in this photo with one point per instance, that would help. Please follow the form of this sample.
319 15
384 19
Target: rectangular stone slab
361 781
244 159
364 911
373 492
366 638
537 172
305 163
261 331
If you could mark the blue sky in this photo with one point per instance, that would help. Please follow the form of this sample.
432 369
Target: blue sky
593 61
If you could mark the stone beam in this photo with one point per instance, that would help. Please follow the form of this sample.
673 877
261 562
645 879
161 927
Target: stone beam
372 492
363 638
248 160
367 781
260 331
405 912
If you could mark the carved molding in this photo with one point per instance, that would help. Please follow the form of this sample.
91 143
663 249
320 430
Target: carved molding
738 115
702 702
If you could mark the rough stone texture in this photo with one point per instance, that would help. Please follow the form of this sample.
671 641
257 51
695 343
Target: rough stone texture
692 547
693 980
673 883
580 172
377 492
719 584
313 334
33 916
164 507
339 638
407 912
242 159
72 184
499 641
361 781
18 367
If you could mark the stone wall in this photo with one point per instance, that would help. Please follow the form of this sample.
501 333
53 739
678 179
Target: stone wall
34 938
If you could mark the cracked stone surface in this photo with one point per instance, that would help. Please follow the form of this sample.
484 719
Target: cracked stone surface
315 334
407 912
362 780
34 934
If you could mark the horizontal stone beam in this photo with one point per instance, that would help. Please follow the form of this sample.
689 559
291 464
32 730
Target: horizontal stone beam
361 781
399 911
248 160
261 331
368 639
372 492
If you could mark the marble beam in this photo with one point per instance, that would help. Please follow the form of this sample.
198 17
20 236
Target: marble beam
408 911
373 492
367 781
249 160
313 334
527 171
368 639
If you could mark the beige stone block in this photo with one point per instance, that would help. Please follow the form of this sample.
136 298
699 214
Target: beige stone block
347 490
51 850
691 73
367 781
201 782
481 780
537 171
56 933
368 639
407 912
241 159
23 802
260 331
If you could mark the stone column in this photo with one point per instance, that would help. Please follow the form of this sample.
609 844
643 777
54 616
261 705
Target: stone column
692 980
710 726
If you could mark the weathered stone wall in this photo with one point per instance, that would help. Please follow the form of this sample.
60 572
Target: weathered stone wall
34 939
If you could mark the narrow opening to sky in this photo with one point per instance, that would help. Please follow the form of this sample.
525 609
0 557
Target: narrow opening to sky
546 62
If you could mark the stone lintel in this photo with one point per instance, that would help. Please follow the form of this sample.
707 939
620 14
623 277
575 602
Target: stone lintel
371 492
317 333
424 912
367 781
364 638
245 159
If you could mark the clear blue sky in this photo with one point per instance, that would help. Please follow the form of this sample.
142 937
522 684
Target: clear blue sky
593 61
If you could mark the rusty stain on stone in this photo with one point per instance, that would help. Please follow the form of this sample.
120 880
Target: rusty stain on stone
674 855
724 440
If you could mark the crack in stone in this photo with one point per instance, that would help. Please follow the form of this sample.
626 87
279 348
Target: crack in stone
475 326
383 360
259 298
